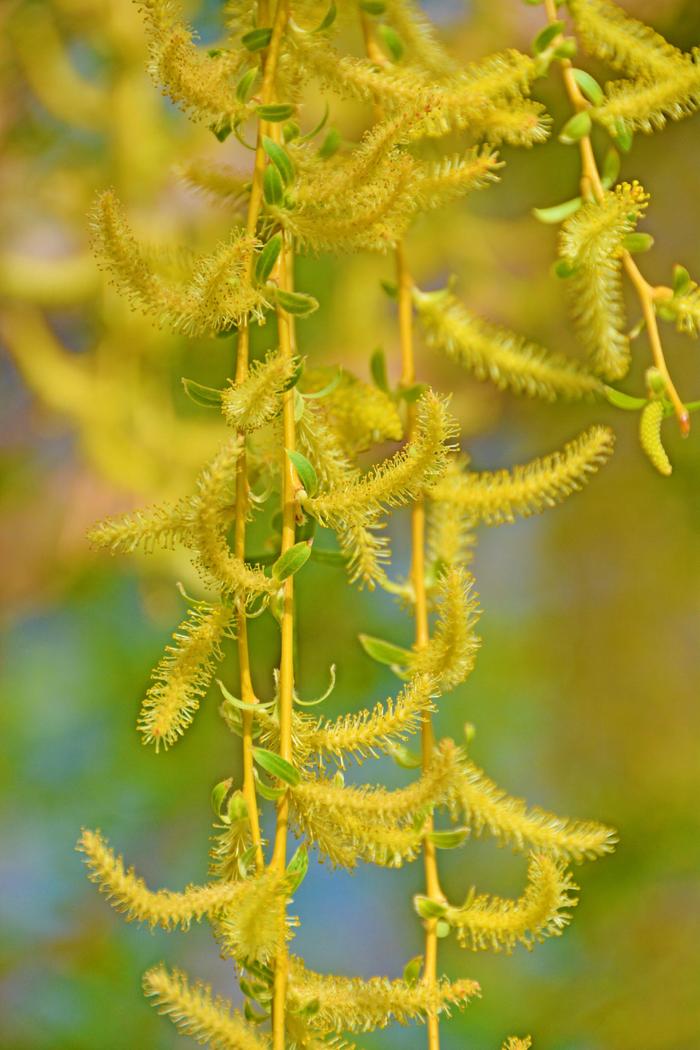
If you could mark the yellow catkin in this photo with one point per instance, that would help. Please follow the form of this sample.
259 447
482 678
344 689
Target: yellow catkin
591 242
349 1004
196 1012
483 805
515 1043
498 924
650 436
128 893
450 654
495 497
184 674
256 400
493 353
622 41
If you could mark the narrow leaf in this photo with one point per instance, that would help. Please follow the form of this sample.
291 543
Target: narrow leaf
427 908
385 652
276 112
265 262
257 39
297 303
206 396
291 561
576 128
280 158
589 86
450 839
558 212
305 470
297 869
377 366
622 400
273 189
276 766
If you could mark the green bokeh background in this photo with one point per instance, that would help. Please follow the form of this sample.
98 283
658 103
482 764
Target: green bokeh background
585 694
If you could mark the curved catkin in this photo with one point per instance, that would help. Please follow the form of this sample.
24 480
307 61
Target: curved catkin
495 497
128 893
591 242
493 353
484 806
350 1004
450 654
184 674
624 42
256 400
196 1012
498 924
650 421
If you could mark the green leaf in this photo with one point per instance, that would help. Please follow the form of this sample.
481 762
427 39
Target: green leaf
265 262
319 127
328 20
277 766
576 128
221 131
331 144
218 794
637 242
611 168
390 288
404 757
442 928
273 189
564 268
623 135
589 86
558 212
257 39
297 869
280 158
324 696
545 37
236 808
621 400
252 1015
328 557
427 908
385 652
272 794
450 839
241 704
373 7
244 87
276 112
297 303
412 969
291 561
291 131
412 393
392 41
206 396
566 49
681 280
305 470
377 366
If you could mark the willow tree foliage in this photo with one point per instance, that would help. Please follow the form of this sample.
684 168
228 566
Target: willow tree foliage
293 455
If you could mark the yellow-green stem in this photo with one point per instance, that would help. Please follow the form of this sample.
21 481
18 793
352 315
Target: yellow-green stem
646 293
247 690
408 377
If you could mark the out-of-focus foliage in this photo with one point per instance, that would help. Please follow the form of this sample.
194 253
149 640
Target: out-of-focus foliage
592 611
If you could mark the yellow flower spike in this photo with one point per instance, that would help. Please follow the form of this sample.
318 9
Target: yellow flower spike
650 436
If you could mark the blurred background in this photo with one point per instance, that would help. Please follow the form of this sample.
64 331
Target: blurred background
585 694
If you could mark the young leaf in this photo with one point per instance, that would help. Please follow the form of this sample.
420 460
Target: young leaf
277 766
244 87
377 366
305 470
576 128
404 757
545 37
273 189
427 908
328 19
218 794
392 41
385 652
449 839
265 262
611 168
412 969
637 242
276 112
280 158
331 144
291 561
681 280
589 86
297 303
206 396
257 39
297 869
558 212
622 400
272 794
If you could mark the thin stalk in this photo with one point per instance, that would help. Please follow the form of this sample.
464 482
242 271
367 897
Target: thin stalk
247 690
422 631
646 293
286 681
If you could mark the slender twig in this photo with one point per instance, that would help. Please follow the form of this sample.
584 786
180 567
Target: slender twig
646 293
247 690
